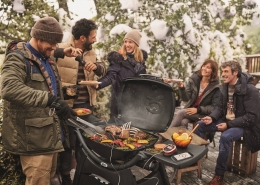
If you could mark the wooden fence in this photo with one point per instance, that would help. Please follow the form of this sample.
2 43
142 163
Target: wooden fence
253 63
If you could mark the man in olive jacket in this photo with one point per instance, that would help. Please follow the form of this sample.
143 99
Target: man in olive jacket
32 109
236 115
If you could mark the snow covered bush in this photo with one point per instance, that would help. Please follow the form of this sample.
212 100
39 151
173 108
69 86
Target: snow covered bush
178 34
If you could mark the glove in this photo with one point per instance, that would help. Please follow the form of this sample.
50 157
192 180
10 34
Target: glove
62 109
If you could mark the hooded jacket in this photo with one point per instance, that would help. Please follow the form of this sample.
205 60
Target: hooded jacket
246 108
119 69
27 128
209 99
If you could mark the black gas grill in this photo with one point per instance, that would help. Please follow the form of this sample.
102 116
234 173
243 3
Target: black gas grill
148 103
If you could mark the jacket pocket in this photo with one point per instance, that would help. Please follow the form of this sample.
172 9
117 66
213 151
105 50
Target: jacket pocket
37 77
39 134
37 81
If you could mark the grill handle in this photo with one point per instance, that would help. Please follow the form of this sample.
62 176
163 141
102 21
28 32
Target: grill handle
140 156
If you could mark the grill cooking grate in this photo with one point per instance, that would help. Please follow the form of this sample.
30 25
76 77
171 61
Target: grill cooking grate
150 137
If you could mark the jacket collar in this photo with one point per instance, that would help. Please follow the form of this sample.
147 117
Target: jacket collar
241 85
71 41
196 79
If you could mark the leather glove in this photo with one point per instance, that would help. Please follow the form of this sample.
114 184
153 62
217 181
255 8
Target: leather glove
62 109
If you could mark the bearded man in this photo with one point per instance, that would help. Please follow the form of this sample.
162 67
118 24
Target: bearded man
33 105
72 72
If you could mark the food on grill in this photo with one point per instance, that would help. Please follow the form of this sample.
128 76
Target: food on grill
159 146
124 134
118 142
98 137
107 141
181 140
95 137
131 146
129 143
143 141
137 144
103 137
140 135
125 138
113 129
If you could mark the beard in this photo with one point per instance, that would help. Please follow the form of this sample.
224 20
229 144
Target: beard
87 45
45 51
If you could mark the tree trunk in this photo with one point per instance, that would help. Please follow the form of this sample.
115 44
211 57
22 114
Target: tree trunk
97 9
63 4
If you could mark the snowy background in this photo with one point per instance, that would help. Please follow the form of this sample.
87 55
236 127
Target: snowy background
194 40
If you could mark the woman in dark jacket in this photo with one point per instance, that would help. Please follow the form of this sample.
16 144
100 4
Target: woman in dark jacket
201 94
128 62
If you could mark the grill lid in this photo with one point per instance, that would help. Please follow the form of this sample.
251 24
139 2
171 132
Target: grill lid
147 102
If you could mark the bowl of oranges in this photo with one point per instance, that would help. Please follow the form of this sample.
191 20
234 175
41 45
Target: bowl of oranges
181 139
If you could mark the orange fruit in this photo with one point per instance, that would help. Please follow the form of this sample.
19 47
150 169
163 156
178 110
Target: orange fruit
181 138
175 135
185 136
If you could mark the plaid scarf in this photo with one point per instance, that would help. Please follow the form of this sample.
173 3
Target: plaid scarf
33 59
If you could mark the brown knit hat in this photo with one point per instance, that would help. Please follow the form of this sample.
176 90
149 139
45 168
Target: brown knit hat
47 29
134 35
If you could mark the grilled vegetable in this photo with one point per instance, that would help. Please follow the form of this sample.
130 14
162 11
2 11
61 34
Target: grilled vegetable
94 138
131 139
150 138
125 141
142 141
117 141
121 144
107 141
137 144
122 148
131 146
153 150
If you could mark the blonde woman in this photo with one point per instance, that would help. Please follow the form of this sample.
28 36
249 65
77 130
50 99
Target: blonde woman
129 61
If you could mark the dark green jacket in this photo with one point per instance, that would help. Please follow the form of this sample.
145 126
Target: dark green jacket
28 128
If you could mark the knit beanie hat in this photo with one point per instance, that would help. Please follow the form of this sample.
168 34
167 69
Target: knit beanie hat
134 35
47 29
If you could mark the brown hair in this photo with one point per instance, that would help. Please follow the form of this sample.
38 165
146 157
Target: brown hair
214 68
138 54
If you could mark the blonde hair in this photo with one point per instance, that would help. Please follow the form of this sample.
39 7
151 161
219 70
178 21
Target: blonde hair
138 54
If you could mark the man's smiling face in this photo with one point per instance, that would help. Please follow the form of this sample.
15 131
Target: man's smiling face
228 76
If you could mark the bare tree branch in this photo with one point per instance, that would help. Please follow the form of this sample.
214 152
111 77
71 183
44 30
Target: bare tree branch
63 4
97 9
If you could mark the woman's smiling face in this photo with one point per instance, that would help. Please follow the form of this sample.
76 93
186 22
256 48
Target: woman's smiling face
129 45
206 70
